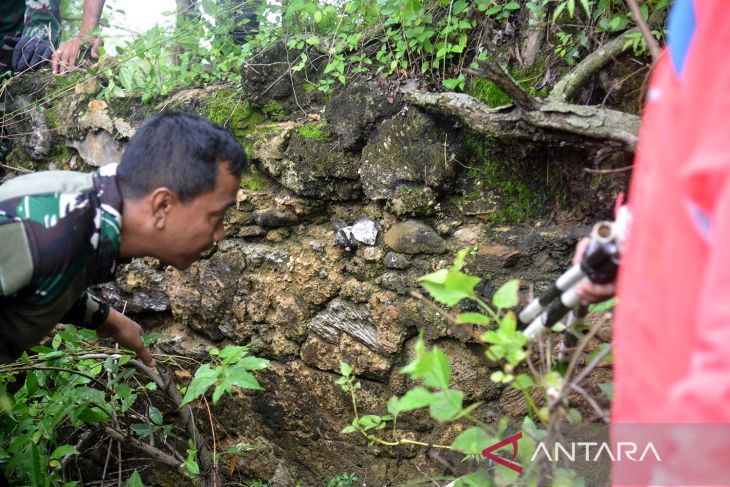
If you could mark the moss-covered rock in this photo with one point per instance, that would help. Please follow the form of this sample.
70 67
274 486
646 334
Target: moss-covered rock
409 200
354 112
313 168
271 79
415 149
315 131
229 108
510 182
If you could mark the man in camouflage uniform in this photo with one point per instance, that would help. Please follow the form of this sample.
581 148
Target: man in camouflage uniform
61 232
29 30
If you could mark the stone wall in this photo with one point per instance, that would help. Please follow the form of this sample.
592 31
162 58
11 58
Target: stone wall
341 213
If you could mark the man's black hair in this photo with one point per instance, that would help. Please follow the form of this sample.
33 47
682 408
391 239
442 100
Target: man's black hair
178 151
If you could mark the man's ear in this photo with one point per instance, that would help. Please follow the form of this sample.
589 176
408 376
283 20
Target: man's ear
160 202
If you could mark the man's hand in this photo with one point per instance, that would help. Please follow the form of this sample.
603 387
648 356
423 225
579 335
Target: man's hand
589 292
126 333
64 59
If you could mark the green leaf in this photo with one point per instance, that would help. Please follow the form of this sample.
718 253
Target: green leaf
392 406
438 277
313 41
460 258
93 415
150 338
446 404
506 296
134 480
587 7
220 390
512 6
472 441
203 379
416 398
345 369
454 286
210 7
475 318
558 327
155 415
192 467
253 363
232 354
553 380
571 8
459 6
64 451
604 306
141 429
240 377
434 369
523 381
348 429
452 83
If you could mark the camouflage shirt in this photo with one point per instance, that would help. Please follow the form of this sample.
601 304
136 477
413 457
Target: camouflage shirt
59 234
30 18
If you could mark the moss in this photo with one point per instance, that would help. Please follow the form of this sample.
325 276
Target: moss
69 79
315 131
518 199
253 180
20 159
62 157
529 77
488 93
273 108
229 109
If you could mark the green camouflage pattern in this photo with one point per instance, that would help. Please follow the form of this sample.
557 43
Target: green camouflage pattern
29 18
60 232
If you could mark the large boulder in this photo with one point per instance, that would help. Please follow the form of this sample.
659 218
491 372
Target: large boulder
314 169
415 149
354 112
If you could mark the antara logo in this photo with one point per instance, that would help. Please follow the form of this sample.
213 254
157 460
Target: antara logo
487 452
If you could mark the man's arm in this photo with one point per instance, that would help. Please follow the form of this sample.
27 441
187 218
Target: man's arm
126 333
64 59
16 263
90 312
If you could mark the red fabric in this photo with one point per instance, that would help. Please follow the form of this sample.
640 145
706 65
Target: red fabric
672 327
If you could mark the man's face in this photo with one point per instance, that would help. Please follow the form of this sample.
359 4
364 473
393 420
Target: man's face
194 226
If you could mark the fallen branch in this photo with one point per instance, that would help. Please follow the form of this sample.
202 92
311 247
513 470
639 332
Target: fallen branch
549 122
166 384
150 450
565 89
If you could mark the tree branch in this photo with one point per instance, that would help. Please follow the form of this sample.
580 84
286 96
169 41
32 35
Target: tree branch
166 383
565 89
153 452
549 122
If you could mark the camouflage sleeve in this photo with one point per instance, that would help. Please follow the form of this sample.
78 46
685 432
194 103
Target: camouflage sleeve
42 18
16 261
88 312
